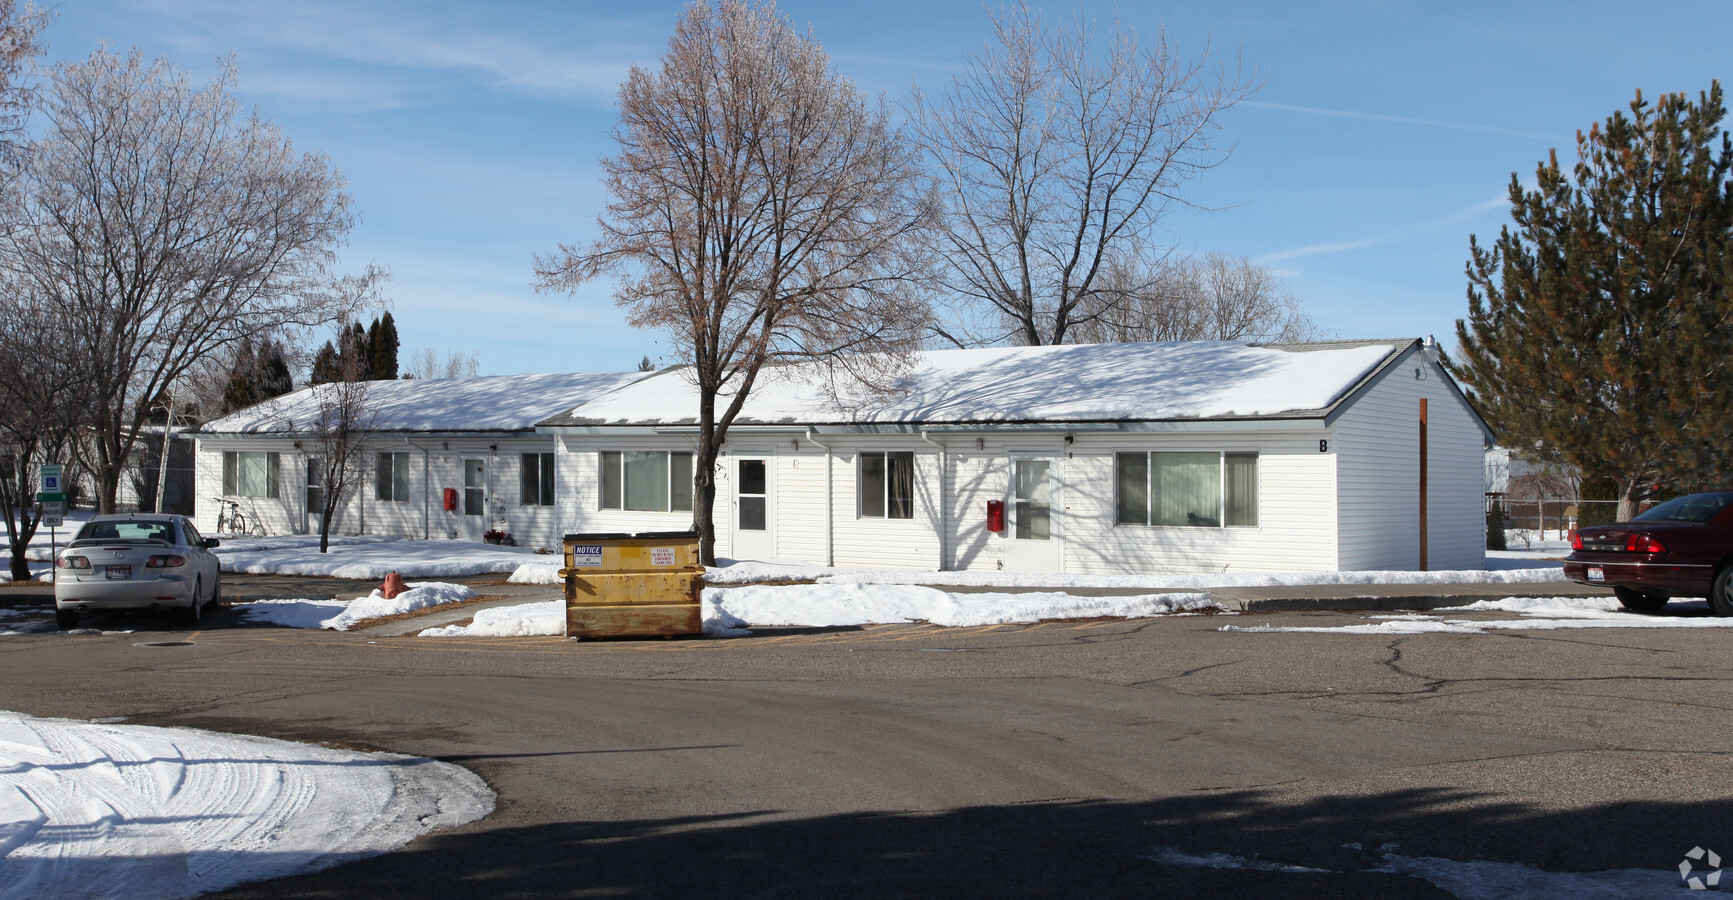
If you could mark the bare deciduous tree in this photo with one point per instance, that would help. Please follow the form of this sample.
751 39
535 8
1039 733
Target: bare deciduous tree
425 363
1216 298
761 210
1056 159
164 225
40 414
20 29
337 443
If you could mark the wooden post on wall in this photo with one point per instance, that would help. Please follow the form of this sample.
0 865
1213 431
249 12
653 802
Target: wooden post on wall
1423 484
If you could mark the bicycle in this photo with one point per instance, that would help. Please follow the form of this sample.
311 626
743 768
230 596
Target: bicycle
236 521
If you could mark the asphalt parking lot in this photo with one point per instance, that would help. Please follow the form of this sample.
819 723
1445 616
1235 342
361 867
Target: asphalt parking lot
1073 758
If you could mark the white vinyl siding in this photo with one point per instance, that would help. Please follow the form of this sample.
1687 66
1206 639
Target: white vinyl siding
1295 528
1377 442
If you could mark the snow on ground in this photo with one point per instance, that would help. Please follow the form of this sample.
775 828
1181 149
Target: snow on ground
92 810
1470 880
40 551
522 620
824 605
339 615
1502 568
1537 614
726 611
368 557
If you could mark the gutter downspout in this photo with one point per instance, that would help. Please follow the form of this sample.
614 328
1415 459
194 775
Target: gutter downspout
426 486
829 502
944 468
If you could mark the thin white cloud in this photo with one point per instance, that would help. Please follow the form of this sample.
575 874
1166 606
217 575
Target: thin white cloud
342 93
1402 120
581 57
1316 249
1472 212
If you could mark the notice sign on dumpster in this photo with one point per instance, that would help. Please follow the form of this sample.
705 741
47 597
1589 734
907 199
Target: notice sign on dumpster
587 556
661 556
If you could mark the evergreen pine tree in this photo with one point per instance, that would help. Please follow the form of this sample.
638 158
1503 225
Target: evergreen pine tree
327 366
382 344
1600 326
238 392
274 377
357 350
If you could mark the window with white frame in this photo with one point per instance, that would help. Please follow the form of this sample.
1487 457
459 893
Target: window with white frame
647 480
887 485
391 478
248 473
536 480
1186 489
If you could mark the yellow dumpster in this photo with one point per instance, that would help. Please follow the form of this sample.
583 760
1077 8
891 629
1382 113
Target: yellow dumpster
632 585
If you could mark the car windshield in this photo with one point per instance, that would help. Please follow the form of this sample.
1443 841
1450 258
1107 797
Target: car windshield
1689 508
127 531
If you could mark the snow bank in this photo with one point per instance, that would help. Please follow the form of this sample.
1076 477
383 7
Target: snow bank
537 573
826 605
340 615
755 572
1509 568
91 810
523 620
368 557
419 596
292 613
1538 614
728 611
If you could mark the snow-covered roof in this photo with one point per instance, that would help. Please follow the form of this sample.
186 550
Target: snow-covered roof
495 403
1067 383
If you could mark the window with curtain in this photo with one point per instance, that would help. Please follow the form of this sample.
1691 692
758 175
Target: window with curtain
1186 489
391 478
646 480
887 485
248 473
536 480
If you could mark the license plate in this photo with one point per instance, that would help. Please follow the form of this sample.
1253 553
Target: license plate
1595 574
117 572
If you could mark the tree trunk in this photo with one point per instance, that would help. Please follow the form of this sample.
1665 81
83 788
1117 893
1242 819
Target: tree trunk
704 476
1628 498
18 537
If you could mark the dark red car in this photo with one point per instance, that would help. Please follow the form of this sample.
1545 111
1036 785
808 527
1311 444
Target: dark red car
1680 548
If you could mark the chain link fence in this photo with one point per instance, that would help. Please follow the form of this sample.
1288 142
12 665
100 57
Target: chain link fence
1548 520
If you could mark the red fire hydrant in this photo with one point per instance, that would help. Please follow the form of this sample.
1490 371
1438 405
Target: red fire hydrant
393 586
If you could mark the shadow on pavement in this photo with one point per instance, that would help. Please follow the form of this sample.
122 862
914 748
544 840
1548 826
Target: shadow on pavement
1059 849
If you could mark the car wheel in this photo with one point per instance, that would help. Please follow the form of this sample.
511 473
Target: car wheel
66 618
192 614
216 589
1637 601
1720 601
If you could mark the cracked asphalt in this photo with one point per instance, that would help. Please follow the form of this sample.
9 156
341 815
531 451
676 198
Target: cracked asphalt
1058 759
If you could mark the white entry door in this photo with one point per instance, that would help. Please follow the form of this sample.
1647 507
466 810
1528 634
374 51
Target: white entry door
315 494
1032 509
754 535
473 504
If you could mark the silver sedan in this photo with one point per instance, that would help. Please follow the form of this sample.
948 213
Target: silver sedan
136 562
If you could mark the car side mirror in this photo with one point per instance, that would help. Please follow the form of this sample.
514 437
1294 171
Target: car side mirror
211 542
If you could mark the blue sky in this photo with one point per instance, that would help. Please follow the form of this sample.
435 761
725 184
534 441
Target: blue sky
1384 133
